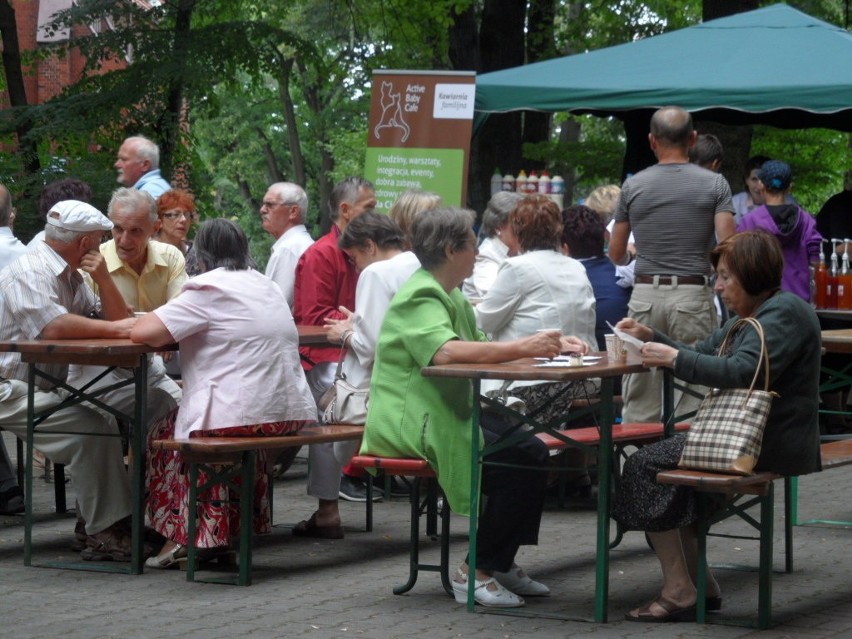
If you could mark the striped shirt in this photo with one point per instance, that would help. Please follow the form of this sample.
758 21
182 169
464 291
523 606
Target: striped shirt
35 289
671 210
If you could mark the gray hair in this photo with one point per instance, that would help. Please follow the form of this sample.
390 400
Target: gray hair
433 232
497 211
292 194
5 206
346 190
132 199
62 236
145 149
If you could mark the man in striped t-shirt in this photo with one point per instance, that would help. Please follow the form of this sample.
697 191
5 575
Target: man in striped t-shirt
675 210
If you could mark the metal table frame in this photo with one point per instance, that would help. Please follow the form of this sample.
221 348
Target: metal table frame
524 370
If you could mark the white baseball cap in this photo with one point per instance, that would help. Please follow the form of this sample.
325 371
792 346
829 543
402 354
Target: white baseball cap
74 215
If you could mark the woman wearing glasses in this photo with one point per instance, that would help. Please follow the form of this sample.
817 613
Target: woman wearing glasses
176 209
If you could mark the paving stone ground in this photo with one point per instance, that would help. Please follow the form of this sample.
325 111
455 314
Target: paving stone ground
342 588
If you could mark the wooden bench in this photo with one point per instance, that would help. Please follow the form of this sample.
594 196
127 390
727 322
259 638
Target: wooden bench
419 470
238 455
725 491
718 498
834 454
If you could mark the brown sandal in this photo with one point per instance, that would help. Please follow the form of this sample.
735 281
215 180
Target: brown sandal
674 612
309 528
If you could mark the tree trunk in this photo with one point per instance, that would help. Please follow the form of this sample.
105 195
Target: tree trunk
464 40
293 141
169 123
27 148
498 143
540 46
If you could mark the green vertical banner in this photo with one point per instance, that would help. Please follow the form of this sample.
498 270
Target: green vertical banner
419 135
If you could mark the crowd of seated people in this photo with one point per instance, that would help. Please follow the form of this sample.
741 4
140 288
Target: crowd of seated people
396 293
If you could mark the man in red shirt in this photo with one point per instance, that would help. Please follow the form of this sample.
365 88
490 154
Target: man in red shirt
325 281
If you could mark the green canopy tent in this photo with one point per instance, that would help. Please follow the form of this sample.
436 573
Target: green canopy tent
775 66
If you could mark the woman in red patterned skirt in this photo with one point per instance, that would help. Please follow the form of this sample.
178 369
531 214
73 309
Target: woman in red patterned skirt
241 376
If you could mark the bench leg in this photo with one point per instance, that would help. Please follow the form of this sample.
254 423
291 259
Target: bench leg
192 510
789 518
246 515
445 541
414 540
702 528
368 525
764 596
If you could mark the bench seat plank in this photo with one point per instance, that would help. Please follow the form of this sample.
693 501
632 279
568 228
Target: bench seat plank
218 445
621 433
756 484
836 453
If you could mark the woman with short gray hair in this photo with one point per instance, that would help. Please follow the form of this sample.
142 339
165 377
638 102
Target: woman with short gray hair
499 243
410 415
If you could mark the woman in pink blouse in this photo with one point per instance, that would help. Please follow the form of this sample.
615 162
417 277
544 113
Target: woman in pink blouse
241 376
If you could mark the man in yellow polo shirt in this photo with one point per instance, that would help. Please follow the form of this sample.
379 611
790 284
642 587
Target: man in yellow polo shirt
148 274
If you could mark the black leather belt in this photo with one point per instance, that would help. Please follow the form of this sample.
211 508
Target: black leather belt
670 279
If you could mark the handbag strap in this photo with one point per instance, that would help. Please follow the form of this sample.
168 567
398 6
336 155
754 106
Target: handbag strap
339 374
763 360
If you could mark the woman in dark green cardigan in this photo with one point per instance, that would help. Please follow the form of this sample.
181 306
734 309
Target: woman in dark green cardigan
748 267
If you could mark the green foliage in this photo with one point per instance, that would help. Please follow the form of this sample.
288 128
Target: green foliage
819 159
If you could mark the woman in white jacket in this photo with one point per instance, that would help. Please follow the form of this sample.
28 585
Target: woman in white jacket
539 289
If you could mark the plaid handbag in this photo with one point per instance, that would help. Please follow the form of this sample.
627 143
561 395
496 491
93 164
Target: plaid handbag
727 431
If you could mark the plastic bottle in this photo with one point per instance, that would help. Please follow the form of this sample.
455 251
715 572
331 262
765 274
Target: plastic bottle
521 182
833 272
544 183
844 288
557 189
509 182
820 287
496 182
532 184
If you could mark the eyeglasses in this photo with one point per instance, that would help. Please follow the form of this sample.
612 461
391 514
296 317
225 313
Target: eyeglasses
176 215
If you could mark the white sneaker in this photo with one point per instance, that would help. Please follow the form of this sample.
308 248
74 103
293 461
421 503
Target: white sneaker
521 583
499 598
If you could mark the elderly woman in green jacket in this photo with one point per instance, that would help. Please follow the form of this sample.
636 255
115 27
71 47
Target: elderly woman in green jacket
430 322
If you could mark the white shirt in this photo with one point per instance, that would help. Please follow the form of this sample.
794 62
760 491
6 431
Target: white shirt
37 239
377 285
535 290
10 247
286 252
239 353
492 253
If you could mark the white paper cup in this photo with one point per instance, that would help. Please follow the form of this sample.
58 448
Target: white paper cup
614 347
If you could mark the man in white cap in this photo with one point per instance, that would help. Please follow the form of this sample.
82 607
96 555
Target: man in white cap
42 295
138 166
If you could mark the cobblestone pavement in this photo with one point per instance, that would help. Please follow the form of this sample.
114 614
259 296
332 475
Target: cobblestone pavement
342 588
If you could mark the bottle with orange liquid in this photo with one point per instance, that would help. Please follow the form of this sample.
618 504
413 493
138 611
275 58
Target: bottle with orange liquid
820 290
833 272
844 288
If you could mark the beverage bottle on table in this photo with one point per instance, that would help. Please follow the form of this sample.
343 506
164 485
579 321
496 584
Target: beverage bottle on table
820 288
521 181
509 182
844 288
833 272
496 182
544 183
532 184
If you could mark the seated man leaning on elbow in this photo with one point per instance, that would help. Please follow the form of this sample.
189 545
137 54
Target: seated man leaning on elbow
43 296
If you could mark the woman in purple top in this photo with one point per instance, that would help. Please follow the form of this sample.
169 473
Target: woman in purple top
794 227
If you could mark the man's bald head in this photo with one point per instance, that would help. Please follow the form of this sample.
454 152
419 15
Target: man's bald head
672 126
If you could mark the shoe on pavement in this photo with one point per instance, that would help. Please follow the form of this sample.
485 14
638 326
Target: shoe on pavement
111 544
499 598
12 501
521 583
355 489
